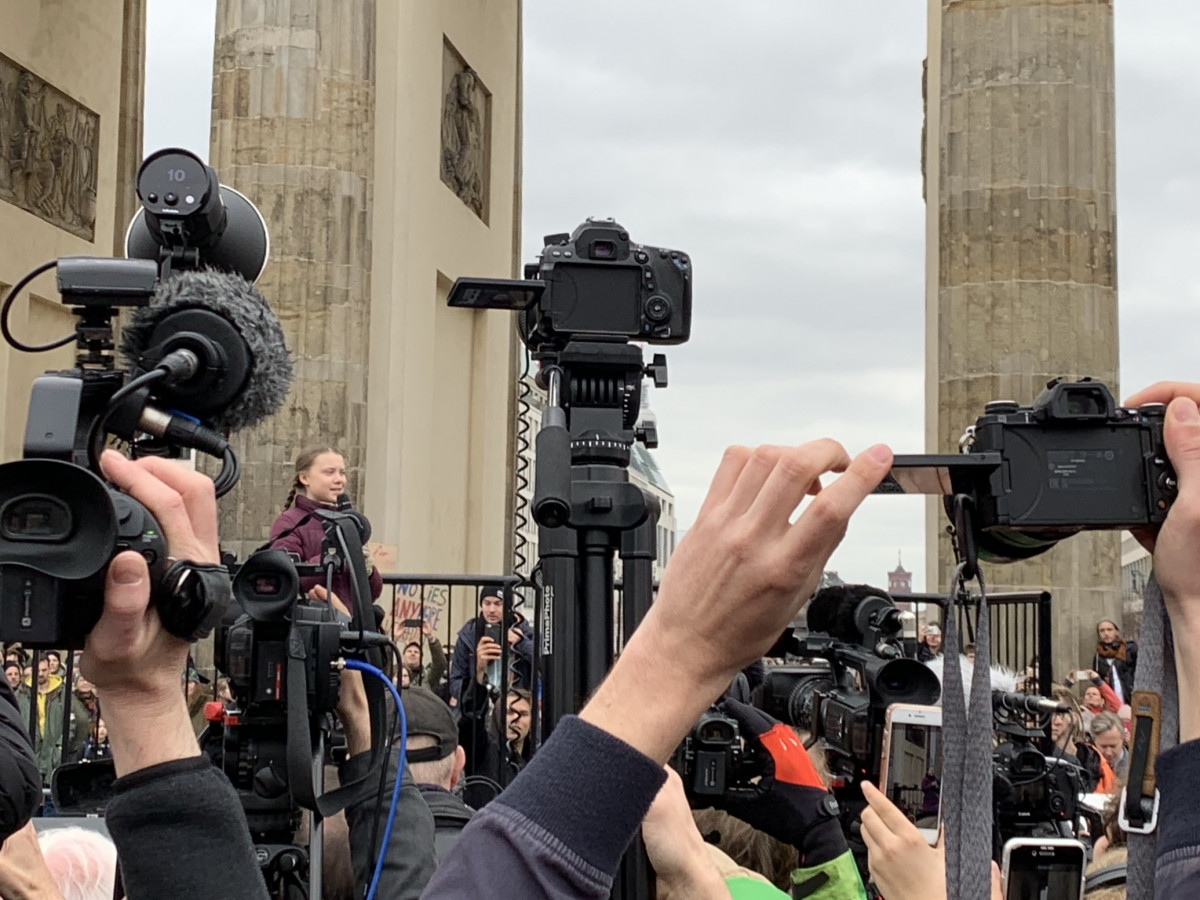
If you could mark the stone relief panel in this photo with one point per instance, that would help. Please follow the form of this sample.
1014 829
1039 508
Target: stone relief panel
49 146
466 132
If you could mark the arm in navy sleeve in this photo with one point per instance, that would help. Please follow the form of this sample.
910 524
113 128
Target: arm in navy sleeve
1177 868
560 829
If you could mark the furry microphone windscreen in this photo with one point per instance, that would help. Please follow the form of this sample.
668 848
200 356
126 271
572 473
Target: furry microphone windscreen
1002 679
235 300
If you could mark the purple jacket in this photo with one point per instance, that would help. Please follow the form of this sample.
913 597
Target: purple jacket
306 542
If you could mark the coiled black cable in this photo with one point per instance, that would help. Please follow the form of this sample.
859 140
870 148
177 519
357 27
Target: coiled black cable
521 470
6 309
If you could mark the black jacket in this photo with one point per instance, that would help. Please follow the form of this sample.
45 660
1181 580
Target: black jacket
490 767
20 781
1125 669
450 816
410 859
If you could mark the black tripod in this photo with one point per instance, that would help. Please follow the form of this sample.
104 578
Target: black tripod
588 511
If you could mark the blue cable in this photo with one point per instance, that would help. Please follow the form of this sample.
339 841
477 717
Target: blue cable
361 666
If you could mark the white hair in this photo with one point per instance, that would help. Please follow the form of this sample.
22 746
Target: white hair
83 863
436 771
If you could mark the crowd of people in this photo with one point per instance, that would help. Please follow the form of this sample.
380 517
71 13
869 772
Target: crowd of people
562 825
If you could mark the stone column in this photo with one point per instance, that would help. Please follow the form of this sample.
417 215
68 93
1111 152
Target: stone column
293 129
1021 268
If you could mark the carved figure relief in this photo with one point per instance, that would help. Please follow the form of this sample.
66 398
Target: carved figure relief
465 139
48 151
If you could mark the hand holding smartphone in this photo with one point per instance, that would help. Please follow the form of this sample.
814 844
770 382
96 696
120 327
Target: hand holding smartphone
1043 869
911 769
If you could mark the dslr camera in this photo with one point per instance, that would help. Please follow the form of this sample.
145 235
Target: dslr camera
1072 461
592 283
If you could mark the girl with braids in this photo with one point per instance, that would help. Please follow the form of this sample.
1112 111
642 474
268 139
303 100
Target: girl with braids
320 479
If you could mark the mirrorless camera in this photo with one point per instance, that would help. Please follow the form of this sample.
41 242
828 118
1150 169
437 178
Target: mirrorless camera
1073 461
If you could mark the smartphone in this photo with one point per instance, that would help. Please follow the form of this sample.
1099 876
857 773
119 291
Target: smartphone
910 774
1082 675
1043 869
412 623
492 631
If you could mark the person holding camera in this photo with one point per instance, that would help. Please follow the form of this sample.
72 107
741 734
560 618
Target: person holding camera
479 646
320 480
1177 570
169 802
432 674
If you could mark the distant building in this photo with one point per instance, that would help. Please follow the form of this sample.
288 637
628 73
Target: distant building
899 579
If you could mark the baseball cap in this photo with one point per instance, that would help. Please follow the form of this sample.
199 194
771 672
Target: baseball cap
428 715
933 629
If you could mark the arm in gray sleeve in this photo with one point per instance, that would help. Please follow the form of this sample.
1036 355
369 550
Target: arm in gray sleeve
1177 868
180 833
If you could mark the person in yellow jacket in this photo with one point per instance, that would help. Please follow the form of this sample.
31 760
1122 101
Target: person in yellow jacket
49 739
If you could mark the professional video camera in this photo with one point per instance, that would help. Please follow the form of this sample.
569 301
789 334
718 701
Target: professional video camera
593 283
284 654
852 669
256 651
1034 794
205 355
712 761
1073 461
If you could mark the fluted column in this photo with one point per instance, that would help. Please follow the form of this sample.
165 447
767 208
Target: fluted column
293 129
1021 267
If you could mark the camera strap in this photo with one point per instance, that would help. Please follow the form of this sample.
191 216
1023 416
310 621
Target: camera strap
299 727
1156 690
966 799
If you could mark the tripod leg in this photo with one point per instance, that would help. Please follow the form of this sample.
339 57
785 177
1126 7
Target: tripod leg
596 646
638 552
558 550
635 879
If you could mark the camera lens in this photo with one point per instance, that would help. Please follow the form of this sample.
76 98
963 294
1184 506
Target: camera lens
658 309
35 517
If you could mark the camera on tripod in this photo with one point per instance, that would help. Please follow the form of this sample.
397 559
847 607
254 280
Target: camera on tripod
204 353
593 283
1072 461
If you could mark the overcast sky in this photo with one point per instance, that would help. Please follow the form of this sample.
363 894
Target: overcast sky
780 146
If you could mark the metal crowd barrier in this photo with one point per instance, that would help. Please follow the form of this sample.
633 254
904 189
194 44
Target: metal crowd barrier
447 603
1021 630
